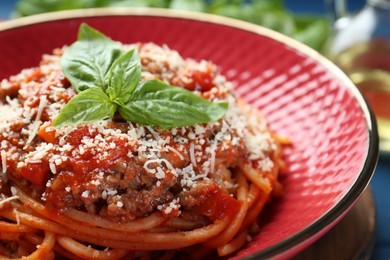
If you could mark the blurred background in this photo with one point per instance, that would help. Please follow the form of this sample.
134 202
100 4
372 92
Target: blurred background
355 35
300 19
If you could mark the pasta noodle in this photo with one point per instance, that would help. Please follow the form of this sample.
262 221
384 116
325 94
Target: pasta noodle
113 189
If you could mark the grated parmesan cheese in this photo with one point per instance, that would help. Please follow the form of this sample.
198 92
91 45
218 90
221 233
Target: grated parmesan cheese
53 168
212 159
37 122
4 201
4 161
16 213
170 148
192 154
85 194
198 150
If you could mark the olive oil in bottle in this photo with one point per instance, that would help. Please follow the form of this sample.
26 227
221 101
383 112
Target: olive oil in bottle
360 45
368 65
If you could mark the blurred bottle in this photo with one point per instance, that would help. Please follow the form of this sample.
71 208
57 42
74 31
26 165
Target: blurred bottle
361 47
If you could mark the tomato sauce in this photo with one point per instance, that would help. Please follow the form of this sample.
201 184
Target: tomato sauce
117 169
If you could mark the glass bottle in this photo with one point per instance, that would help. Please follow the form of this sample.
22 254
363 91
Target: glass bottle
361 47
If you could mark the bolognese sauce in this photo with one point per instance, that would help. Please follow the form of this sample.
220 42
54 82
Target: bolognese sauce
121 171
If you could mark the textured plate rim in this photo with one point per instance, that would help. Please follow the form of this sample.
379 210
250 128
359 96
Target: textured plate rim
372 152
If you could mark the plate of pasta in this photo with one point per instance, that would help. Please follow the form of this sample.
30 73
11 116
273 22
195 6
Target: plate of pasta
157 134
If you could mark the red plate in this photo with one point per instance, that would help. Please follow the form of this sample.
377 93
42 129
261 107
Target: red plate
303 96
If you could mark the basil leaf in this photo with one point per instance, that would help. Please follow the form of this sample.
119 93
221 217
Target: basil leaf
156 103
123 77
88 106
109 81
86 63
87 33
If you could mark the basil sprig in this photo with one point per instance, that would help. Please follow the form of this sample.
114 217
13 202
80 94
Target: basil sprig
88 61
107 80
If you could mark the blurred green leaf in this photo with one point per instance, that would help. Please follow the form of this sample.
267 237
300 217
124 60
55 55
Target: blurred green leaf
140 3
278 20
269 4
262 13
194 5
31 7
311 30
124 3
226 10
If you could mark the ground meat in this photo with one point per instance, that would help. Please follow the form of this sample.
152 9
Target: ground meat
118 169
196 195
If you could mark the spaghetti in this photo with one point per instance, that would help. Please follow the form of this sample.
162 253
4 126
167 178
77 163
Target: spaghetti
115 189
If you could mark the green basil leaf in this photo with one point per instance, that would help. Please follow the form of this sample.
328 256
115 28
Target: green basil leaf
88 106
86 63
123 77
109 81
156 103
87 33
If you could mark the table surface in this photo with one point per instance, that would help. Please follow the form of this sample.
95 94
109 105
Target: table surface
381 179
